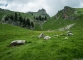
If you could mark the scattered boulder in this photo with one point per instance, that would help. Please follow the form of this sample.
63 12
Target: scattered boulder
69 33
66 38
56 35
41 35
44 37
47 37
17 42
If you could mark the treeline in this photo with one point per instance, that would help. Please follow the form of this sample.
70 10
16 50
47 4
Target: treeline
40 18
18 20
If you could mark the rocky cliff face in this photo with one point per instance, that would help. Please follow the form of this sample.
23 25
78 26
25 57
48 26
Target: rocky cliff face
26 20
67 13
41 12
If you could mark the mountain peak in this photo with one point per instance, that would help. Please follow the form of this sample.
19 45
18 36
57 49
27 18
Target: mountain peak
66 7
66 13
42 11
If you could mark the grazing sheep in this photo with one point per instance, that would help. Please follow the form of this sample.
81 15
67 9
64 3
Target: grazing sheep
66 38
41 35
17 42
47 37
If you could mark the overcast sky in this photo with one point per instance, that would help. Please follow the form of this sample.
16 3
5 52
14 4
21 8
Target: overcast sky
51 6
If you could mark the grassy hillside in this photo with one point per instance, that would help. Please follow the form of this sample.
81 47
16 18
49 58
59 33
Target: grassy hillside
8 12
74 15
34 17
56 48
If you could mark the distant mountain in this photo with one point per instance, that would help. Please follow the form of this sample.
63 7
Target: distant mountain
40 20
64 17
67 13
41 12
20 19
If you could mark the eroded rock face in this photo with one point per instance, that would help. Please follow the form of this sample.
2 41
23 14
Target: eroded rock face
17 42
67 27
67 13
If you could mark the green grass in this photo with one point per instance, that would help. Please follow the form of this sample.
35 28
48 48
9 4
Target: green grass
56 48
54 24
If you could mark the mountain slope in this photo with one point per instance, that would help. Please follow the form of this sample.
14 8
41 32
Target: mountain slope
62 19
20 19
56 48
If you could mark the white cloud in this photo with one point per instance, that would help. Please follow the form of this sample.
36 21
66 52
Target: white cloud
51 6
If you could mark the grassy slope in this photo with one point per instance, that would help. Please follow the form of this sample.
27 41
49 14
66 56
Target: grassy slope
57 48
8 12
53 24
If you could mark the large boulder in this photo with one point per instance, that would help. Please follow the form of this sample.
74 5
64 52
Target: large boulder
41 35
17 42
66 38
69 33
47 37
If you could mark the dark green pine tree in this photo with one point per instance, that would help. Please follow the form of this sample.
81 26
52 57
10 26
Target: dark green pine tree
32 24
24 22
15 16
6 18
36 18
11 17
28 22
40 17
21 19
45 18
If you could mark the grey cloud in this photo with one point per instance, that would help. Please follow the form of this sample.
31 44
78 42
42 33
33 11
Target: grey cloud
20 1
56 5
51 6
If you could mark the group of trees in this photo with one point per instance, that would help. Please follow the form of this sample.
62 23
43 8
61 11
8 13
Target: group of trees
19 20
40 18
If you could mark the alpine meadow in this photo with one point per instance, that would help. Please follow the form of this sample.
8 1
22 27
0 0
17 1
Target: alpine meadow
37 36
